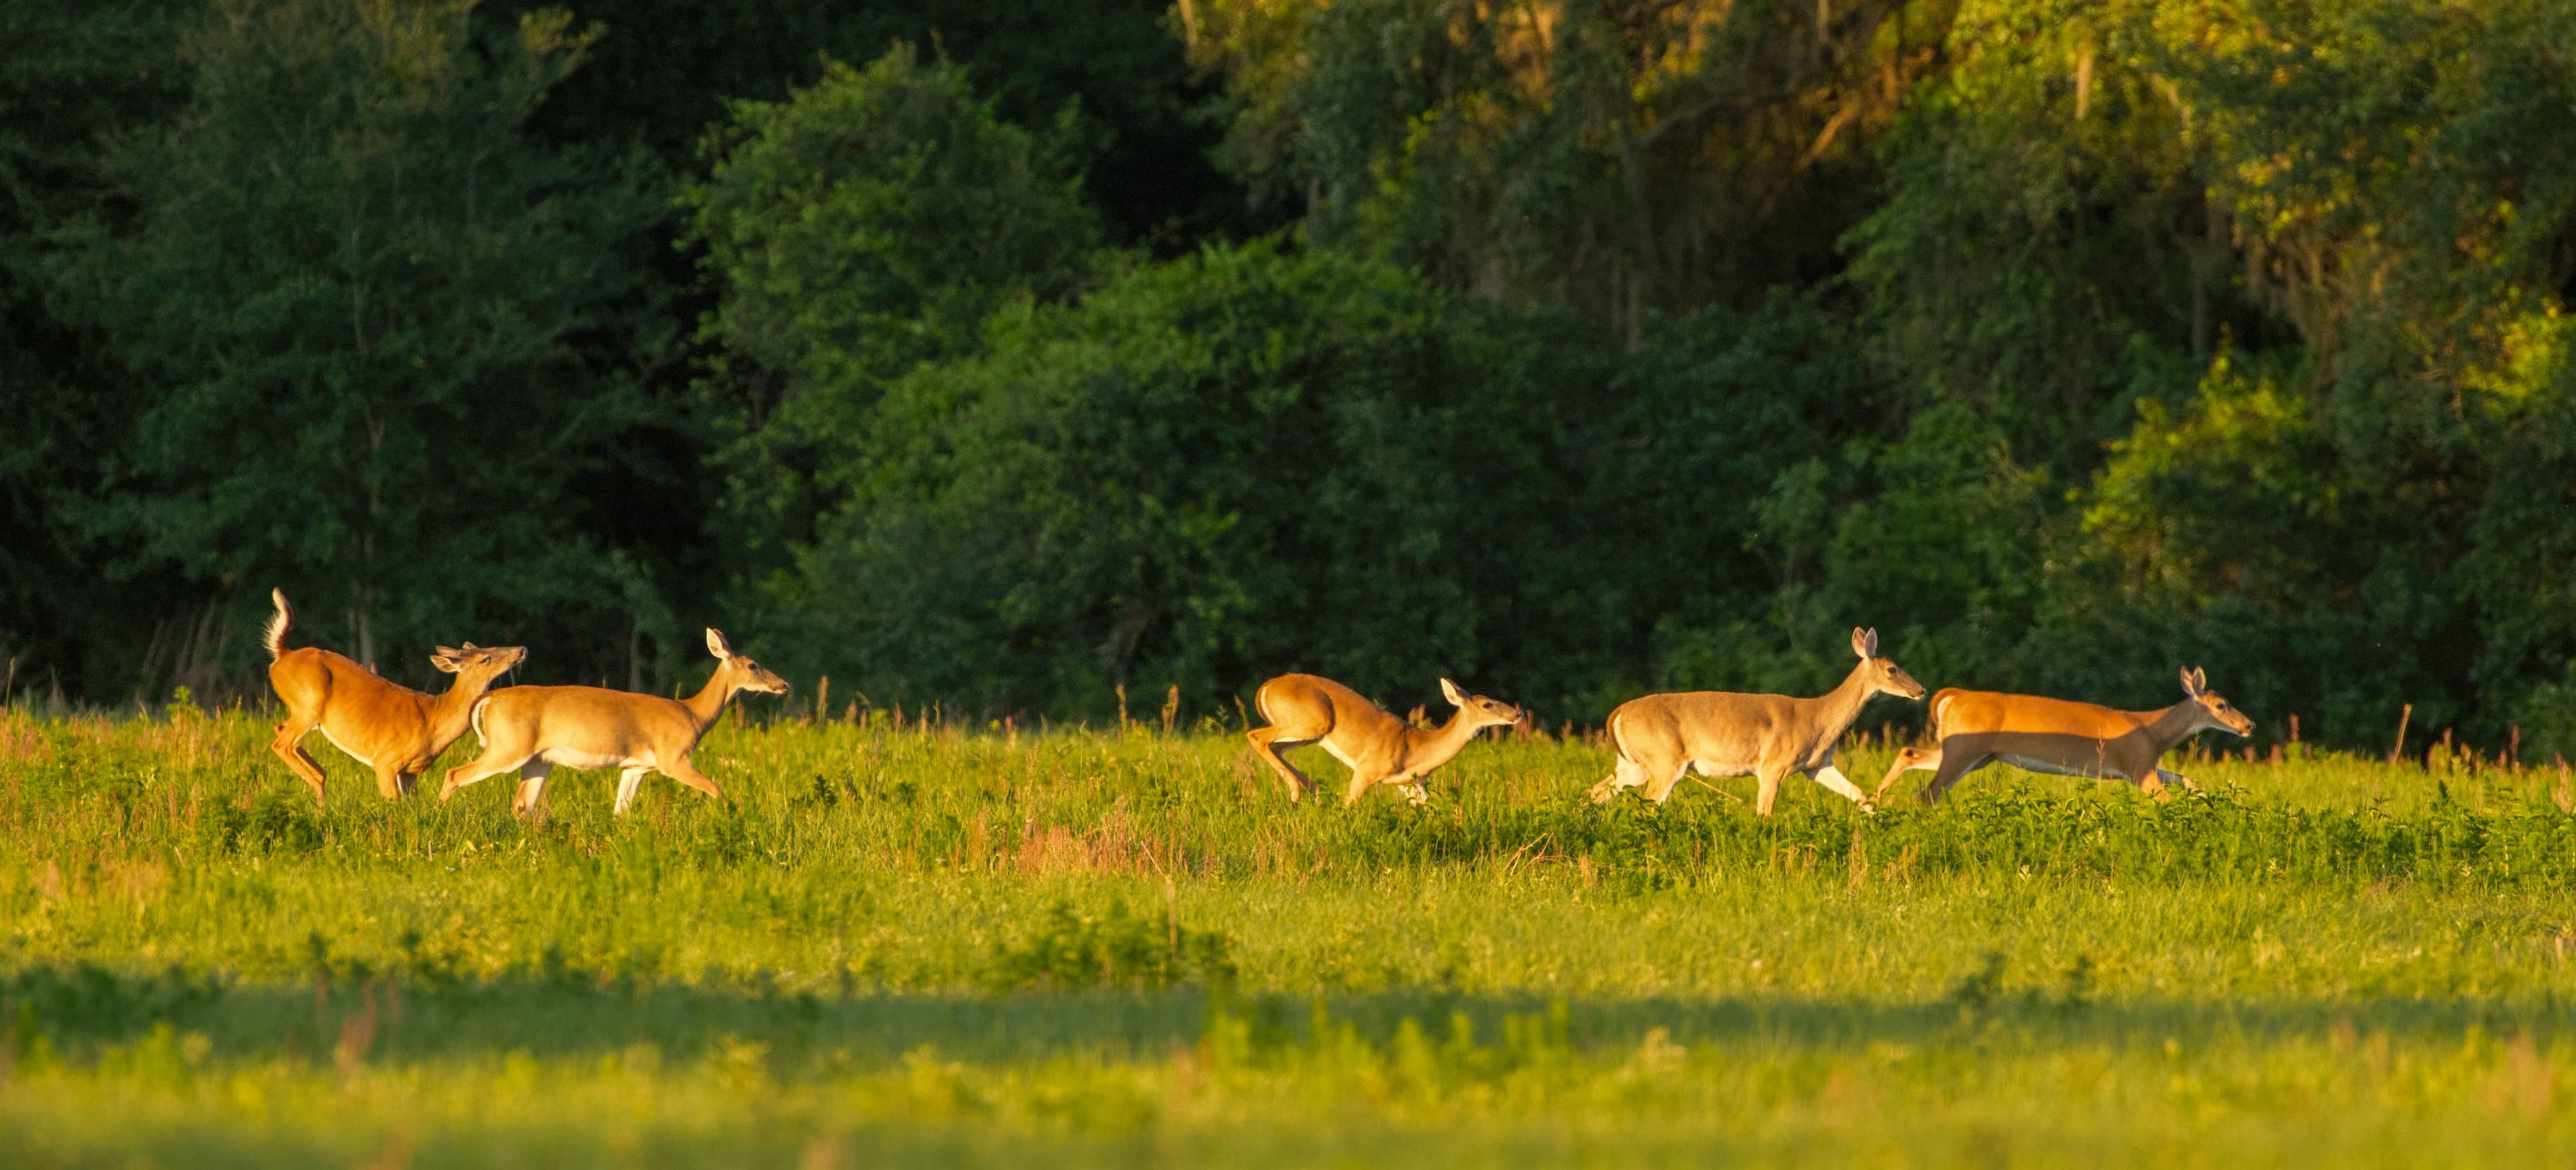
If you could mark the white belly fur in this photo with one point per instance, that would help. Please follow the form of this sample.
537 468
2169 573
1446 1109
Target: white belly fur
1717 770
344 748
2053 769
582 761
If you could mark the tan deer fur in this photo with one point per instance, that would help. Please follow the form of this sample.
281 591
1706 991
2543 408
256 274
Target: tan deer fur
1377 747
538 729
1720 733
1975 729
394 730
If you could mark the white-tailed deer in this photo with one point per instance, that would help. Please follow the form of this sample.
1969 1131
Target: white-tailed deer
539 729
392 729
1977 728
1762 736
1377 747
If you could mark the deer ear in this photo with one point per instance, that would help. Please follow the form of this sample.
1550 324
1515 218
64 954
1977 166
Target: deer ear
1860 641
445 661
2199 680
717 645
1450 691
469 645
2190 689
451 651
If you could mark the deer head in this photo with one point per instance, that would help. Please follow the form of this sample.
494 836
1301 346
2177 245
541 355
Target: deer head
1481 712
475 665
1883 676
2215 711
747 674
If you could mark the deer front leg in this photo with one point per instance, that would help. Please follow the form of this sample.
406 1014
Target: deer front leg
1361 782
1832 778
2179 778
1768 788
389 782
687 773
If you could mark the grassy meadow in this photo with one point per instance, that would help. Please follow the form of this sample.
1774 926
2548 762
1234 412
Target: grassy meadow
999 946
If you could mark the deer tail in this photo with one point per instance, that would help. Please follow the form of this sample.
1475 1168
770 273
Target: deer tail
275 638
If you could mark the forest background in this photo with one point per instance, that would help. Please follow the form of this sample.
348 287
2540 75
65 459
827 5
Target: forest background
1003 356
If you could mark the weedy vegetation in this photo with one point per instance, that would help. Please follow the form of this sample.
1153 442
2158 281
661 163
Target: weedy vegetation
1004 946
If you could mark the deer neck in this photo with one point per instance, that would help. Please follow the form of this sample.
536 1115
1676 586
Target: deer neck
1838 708
448 711
2172 725
710 700
1425 750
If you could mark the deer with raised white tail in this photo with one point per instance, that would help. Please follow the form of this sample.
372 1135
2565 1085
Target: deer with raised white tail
1720 733
1975 729
1377 747
392 729
539 729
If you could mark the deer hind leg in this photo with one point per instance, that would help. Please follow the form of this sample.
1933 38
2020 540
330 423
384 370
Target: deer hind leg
289 746
483 767
687 773
531 797
1268 742
1952 768
1661 776
628 782
1627 774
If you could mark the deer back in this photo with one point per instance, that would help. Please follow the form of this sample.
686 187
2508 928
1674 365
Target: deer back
1707 725
591 721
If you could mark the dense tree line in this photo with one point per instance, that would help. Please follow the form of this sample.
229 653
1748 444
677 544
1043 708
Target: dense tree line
1005 356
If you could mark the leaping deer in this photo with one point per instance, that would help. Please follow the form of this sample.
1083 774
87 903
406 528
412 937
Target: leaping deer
538 729
1377 747
2064 738
1720 733
394 730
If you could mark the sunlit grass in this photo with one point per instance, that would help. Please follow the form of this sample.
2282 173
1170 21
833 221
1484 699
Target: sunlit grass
1095 947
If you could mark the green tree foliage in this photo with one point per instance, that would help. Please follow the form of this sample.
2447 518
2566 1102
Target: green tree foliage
1239 461
72 74
2350 216
351 291
1615 158
1258 460
665 70
861 227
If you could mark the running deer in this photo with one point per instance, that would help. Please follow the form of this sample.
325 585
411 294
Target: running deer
1377 747
538 729
394 730
1977 728
1762 736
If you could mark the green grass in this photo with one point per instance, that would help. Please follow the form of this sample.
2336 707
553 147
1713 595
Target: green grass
1095 948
